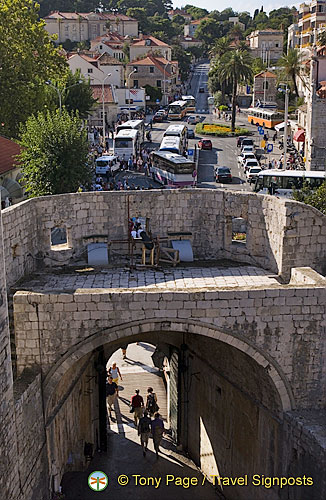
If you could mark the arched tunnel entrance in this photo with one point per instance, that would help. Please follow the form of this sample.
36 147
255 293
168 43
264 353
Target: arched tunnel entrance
225 408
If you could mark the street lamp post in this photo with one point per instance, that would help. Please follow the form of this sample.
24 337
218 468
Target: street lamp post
286 91
131 73
164 82
59 93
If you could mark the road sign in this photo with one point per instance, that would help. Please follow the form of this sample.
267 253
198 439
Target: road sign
269 148
191 152
260 128
157 100
261 131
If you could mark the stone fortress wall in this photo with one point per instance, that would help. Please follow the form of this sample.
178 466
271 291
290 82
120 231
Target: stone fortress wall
280 328
281 234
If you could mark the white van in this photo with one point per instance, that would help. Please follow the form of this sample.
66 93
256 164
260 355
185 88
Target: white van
106 163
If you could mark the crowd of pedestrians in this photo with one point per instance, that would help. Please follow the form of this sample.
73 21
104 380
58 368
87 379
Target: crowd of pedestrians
148 421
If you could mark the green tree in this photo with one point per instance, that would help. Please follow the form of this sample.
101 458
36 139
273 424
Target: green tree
78 95
27 59
196 12
235 67
154 93
316 198
183 58
140 14
291 64
215 83
54 153
208 31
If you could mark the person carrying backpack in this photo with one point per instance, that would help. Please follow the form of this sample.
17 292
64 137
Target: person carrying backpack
144 430
151 403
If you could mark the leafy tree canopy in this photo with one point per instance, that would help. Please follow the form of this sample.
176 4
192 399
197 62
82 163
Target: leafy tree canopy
154 93
54 154
28 58
196 12
316 198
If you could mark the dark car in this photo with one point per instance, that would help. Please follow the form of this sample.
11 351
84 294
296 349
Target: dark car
191 133
201 90
223 174
158 117
240 139
205 144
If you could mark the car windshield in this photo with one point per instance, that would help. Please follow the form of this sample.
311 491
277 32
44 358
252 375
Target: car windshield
223 170
255 170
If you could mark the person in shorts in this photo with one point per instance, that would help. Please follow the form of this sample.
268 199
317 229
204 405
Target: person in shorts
144 430
137 404
111 394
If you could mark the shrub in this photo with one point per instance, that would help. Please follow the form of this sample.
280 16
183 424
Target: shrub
219 130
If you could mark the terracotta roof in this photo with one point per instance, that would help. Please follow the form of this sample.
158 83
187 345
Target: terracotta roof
155 42
267 74
75 15
97 93
149 60
8 150
105 58
198 21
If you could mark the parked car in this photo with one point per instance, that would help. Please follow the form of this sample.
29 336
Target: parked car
252 174
192 119
205 144
158 117
201 90
223 174
246 156
247 141
191 133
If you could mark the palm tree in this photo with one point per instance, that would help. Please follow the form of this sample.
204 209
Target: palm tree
291 64
221 47
235 66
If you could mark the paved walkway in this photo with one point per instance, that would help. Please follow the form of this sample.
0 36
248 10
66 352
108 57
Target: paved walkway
180 278
124 454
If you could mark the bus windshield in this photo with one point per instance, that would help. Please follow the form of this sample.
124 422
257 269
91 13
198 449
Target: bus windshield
122 143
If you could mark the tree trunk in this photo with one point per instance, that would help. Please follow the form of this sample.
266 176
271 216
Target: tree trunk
234 103
295 86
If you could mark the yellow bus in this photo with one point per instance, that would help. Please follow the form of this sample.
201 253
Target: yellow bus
177 110
267 118
191 103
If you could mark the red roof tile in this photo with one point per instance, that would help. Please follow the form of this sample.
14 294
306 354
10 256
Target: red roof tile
97 93
155 42
8 150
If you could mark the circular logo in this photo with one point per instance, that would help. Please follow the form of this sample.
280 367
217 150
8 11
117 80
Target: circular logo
98 481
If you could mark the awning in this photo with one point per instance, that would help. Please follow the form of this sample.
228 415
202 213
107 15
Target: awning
299 136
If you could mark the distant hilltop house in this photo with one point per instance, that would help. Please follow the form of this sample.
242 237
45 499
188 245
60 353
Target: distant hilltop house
179 12
149 45
78 27
266 44
111 43
154 70
189 41
265 88
190 29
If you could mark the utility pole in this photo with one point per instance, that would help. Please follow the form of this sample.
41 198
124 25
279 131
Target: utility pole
286 91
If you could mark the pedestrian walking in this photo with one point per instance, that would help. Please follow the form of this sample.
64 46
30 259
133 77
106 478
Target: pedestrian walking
111 394
137 406
151 402
124 346
157 426
144 430
114 372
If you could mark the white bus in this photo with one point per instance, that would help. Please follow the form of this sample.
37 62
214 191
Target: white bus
173 170
172 144
134 125
282 182
106 163
191 103
126 143
177 110
180 131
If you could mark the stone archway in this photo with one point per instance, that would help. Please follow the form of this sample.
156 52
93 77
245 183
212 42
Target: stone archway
136 328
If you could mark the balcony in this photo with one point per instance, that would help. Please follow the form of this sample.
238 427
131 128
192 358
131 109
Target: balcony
306 16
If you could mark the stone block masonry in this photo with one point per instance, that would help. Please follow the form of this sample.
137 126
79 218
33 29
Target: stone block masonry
280 234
